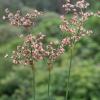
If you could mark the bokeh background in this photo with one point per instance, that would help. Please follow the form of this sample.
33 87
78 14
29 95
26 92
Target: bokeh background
15 81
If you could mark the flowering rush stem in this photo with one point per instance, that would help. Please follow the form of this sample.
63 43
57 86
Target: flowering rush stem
69 74
33 84
49 81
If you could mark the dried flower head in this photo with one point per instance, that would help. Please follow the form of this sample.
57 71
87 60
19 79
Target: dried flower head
17 19
31 50
54 51
79 4
75 24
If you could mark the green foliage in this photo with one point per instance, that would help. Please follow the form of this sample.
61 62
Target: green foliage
84 83
8 32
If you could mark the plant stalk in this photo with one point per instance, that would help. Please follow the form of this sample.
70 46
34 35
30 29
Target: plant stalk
49 83
69 74
33 84
49 80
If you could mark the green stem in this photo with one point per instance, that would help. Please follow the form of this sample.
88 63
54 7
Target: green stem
49 82
33 84
69 74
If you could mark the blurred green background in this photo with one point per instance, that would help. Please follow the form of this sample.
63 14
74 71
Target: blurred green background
15 81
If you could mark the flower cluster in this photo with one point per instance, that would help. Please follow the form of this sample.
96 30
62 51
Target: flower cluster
54 51
75 24
80 4
32 49
18 20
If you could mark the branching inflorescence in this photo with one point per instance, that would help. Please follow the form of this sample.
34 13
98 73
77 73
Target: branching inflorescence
33 49
17 19
74 27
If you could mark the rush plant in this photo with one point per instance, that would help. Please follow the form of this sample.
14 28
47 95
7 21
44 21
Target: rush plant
33 47
75 28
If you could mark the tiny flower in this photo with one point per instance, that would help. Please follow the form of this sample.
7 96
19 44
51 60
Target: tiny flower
7 10
65 41
21 35
4 17
15 61
6 56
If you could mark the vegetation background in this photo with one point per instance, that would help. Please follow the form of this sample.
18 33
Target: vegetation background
15 81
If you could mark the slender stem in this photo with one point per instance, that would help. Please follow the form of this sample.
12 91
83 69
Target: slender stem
49 83
33 84
49 79
69 74
33 73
